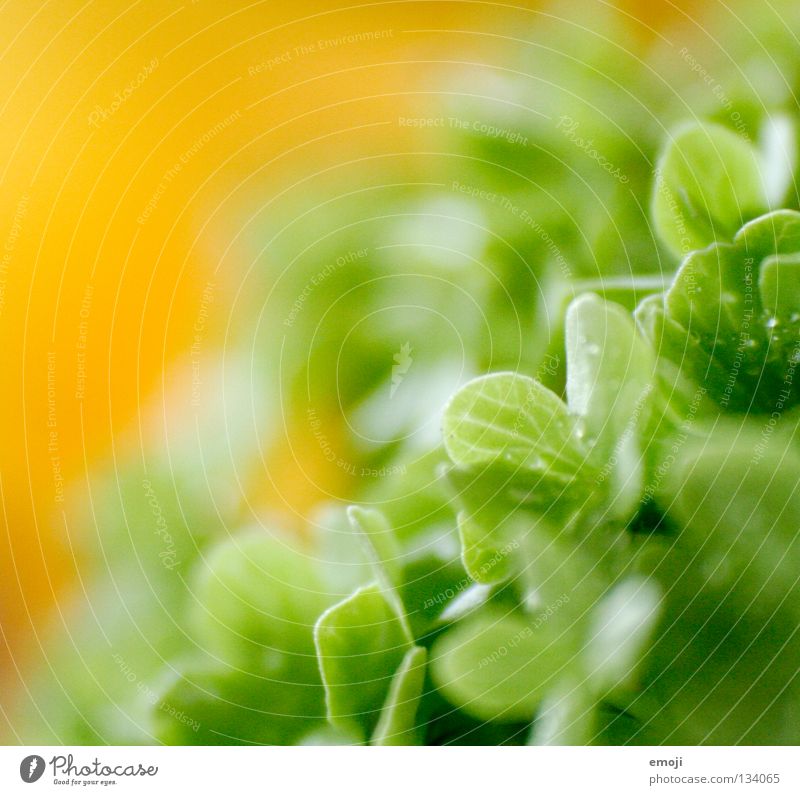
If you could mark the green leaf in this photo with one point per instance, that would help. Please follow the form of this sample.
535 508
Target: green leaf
513 419
774 233
256 599
493 514
385 553
708 183
779 285
432 575
360 643
398 723
714 328
677 394
712 295
201 705
381 543
610 371
778 157
719 324
498 666
736 495
621 629
567 716
488 555
604 356
723 668
719 674
516 447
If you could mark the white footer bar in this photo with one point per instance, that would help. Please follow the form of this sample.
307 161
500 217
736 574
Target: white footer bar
385 771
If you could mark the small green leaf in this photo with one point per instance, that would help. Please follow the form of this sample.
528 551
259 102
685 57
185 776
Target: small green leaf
708 183
494 512
604 355
779 286
381 542
519 459
714 314
677 392
384 551
736 495
712 295
778 157
498 666
398 723
360 643
567 716
715 327
723 666
774 233
199 705
610 371
621 629
256 599
487 554
512 418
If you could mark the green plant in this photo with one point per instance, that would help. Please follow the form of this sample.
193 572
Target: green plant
626 554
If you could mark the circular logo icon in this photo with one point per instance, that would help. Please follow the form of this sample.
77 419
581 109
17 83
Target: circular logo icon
31 768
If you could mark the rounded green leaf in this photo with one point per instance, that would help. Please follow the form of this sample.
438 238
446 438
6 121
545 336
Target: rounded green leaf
498 667
510 418
257 597
198 705
708 183
360 643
